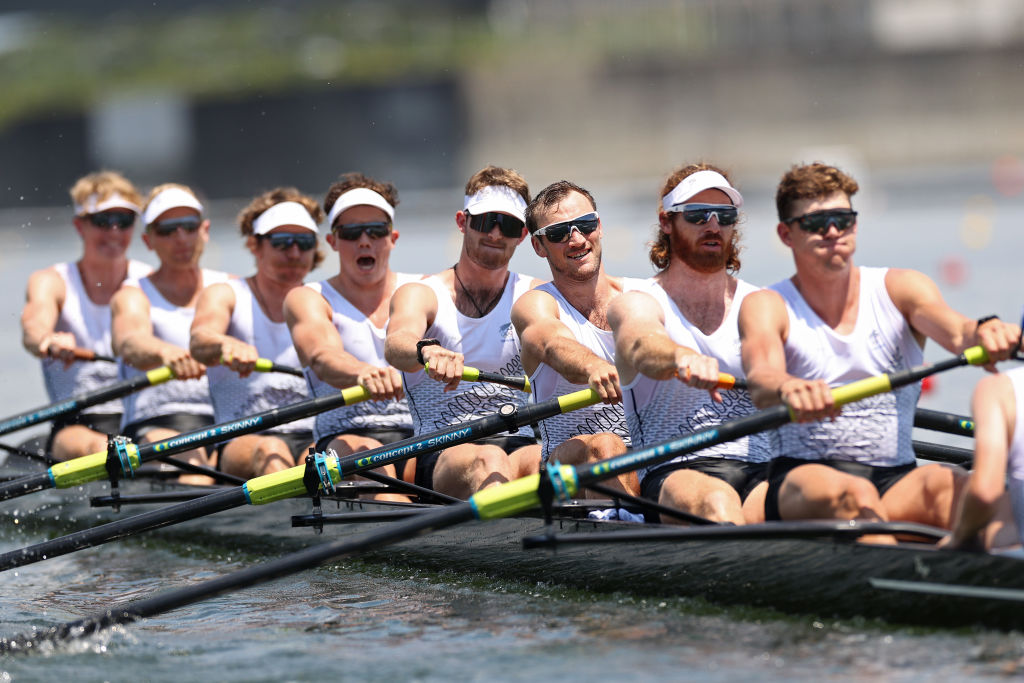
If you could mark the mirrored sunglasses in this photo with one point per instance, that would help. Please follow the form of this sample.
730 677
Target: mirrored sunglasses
120 220
820 221
170 226
353 231
700 214
560 232
510 226
284 240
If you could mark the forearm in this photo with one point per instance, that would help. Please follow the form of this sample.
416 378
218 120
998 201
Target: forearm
207 346
145 351
340 369
400 350
656 356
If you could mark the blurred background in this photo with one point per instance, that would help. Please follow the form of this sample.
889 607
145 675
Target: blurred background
920 100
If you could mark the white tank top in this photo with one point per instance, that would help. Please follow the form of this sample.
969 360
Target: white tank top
235 397
365 341
877 430
546 383
1015 466
658 410
90 323
171 324
489 344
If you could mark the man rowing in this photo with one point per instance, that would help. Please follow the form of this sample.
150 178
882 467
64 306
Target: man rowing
150 320
338 325
834 322
459 317
563 327
997 474
673 339
67 306
240 321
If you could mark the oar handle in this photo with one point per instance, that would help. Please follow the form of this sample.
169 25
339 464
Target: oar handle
267 365
85 355
469 374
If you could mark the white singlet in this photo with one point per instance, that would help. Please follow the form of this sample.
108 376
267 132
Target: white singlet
877 430
489 344
546 383
365 341
659 410
171 324
90 323
234 397
1015 466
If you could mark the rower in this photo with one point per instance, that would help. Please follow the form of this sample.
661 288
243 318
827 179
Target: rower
674 338
150 319
459 317
338 324
241 320
997 475
834 322
563 327
67 306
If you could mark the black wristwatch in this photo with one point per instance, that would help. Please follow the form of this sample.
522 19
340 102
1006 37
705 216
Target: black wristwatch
419 348
982 321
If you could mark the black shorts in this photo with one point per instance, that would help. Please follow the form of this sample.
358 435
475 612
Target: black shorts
882 477
425 464
385 435
742 476
297 442
104 423
179 422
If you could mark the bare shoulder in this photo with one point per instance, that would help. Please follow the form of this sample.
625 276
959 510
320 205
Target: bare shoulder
633 306
45 280
534 304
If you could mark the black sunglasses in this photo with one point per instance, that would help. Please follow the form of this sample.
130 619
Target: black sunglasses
560 232
820 221
119 220
284 240
700 214
189 224
510 226
353 231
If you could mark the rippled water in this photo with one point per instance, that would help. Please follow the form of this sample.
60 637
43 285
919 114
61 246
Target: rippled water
368 621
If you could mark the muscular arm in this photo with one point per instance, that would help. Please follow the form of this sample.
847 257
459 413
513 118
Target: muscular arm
413 309
210 343
44 299
921 303
133 340
546 339
993 407
643 346
764 327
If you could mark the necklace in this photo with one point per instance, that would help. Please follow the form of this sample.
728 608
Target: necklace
480 311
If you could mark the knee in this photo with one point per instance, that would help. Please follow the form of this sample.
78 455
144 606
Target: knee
857 495
603 446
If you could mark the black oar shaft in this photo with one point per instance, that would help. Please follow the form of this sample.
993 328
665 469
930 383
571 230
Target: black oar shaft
155 519
948 423
23 486
305 559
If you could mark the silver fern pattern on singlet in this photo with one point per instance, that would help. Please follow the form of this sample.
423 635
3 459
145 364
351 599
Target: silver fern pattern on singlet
489 344
875 431
171 324
90 324
235 397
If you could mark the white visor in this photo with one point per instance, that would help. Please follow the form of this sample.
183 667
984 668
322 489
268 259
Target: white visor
359 196
694 184
285 213
93 204
171 198
496 198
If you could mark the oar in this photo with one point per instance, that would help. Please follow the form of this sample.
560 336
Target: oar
87 355
520 382
291 483
950 423
266 365
491 503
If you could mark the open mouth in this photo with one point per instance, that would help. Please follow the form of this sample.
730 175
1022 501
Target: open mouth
366 262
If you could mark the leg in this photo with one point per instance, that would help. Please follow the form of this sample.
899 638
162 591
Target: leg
254 455
463 470
820 492
195 456
927 495
589 448
700 494
75 441
753 506
347 444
